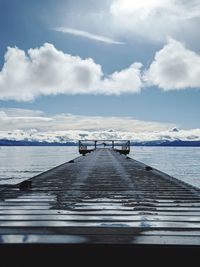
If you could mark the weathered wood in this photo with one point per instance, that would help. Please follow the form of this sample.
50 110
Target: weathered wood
103 197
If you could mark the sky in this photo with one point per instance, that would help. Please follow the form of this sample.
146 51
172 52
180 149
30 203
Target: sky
123 66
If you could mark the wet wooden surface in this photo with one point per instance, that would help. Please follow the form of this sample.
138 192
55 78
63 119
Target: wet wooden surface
101 198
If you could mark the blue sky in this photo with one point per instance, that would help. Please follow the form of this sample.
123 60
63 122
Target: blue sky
106 33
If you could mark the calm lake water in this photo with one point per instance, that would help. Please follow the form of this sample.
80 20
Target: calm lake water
20 163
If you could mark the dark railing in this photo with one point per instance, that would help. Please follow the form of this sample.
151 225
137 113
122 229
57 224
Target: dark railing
87 146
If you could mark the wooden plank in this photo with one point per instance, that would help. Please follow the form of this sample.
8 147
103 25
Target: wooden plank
107 218
99 212
103 239
139 224
42 239
171 233
167 240
28 207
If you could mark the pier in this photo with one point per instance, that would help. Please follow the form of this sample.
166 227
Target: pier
87 146
103 197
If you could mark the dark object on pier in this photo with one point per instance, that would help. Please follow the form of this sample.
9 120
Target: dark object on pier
25 185
148 168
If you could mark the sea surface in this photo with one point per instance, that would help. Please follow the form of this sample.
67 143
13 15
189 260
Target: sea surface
20 163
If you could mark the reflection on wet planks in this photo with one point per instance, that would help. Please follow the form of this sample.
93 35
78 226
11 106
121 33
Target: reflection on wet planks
103 197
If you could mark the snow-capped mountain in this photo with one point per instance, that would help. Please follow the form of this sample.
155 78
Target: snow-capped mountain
35 137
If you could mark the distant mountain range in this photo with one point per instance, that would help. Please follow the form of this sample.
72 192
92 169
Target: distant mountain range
167 143
34 143
74 143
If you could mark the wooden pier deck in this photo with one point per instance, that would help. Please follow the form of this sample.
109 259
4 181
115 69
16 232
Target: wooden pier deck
101 198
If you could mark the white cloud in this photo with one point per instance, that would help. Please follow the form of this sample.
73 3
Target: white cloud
87 35
156 19
35 126
127 80
135 20
128 6
15 119
46 70
174 68
19 112
66 122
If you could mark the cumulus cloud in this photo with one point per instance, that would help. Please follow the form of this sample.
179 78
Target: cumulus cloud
174 67
46 70
127 80
87 35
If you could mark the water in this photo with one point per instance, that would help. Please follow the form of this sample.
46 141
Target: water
180 162
20 163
